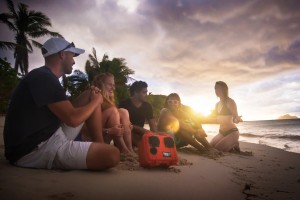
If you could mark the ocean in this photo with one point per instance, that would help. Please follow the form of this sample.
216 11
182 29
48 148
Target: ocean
282 134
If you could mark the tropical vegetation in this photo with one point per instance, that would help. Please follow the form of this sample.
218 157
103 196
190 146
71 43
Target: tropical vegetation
26 25
8 81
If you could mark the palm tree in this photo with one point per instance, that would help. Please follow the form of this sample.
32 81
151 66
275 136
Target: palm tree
26 24
116 66
75 84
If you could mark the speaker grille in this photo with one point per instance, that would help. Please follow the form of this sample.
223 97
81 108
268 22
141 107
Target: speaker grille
169 142
153 150
154 141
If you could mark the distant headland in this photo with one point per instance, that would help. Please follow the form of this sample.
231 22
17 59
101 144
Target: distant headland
288 116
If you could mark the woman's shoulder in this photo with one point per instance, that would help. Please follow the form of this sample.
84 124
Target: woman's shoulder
230 101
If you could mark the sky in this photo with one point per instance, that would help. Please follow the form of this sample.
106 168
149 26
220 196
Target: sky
185 46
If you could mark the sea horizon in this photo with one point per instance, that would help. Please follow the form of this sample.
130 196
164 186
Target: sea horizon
279 133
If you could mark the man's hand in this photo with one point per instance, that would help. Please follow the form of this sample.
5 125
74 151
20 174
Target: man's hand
96 94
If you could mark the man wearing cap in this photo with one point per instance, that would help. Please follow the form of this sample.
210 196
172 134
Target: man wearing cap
41 123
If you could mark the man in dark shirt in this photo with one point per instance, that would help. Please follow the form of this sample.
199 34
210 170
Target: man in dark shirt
139 110
41 123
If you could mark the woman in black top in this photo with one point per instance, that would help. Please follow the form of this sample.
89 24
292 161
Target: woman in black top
227 116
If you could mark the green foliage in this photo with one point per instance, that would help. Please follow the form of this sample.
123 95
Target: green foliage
25 24
157 102
8 81
116 66
75 84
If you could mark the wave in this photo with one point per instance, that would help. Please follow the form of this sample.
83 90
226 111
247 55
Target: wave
289 137
249 135
272 136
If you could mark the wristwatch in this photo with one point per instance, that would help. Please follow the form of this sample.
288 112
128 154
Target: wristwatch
106 131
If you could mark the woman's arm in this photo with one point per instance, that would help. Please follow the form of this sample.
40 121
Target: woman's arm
233 109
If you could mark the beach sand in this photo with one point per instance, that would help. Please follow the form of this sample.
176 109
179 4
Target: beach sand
269 173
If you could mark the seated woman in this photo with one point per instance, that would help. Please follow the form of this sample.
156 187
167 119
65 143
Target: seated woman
115 122
175 121
227 116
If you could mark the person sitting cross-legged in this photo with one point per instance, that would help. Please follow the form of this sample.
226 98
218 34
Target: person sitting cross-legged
41 123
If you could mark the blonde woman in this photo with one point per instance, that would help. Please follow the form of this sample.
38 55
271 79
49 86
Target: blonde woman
116 123
227 116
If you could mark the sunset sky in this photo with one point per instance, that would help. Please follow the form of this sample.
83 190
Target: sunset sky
186 46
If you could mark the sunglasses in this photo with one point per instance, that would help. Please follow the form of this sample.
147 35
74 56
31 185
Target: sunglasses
174 102
69 45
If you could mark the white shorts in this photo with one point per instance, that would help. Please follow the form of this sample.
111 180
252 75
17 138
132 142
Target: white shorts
60 151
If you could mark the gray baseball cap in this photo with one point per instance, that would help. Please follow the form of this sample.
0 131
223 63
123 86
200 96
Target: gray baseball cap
55 45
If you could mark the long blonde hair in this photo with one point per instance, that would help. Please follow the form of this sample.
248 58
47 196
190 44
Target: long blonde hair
99 82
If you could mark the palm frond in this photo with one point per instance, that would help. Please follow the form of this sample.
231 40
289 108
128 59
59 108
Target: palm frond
94 59
36 44
11 7
4 18
55 34
29 47
7 45
39 17
23 8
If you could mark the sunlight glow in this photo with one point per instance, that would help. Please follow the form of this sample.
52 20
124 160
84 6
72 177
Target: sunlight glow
202 106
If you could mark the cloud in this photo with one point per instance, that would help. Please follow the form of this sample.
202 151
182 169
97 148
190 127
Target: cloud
290 55
185 45
276 96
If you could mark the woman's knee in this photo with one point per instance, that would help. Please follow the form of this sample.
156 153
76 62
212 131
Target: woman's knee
123 112
227 143
216 139
111 111
110 116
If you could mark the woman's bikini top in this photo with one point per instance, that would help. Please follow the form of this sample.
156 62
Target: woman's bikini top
224 110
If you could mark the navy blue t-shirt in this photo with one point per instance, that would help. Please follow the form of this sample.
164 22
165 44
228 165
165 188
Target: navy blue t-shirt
28 120
138 115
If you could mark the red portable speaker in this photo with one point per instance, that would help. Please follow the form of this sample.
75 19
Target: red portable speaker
157 150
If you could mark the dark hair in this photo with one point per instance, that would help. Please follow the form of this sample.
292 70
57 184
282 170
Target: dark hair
172 95
137 86
224 88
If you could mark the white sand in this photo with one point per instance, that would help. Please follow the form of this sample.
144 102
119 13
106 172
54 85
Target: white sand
269 174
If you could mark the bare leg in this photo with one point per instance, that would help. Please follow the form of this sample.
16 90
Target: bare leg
92 129
228 142
203 141
189 139
111 118
200 137
169 122
216 139
100 156
124 119
94 125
